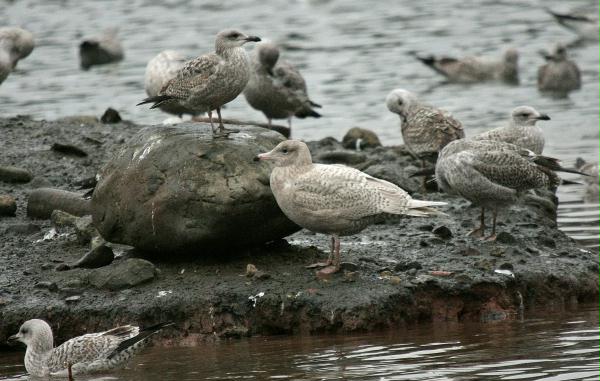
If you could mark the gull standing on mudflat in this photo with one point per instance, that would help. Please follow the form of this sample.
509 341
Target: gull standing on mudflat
586 27
159 71
334 199
476 69
101 50
276 87
493 175
93 352
559 74
521 130
425 129
15 44
208 82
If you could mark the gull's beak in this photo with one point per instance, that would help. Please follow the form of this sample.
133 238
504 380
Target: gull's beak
262 156
252 39
13 339
543 117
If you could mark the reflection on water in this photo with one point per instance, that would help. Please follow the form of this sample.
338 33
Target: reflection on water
545 346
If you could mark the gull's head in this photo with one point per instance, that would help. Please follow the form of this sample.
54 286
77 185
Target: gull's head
18 43
399 101
268 54
33 331
287 153
560 52
527 116
231 38
511 55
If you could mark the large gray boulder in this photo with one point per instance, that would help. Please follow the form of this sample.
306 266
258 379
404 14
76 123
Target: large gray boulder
178 189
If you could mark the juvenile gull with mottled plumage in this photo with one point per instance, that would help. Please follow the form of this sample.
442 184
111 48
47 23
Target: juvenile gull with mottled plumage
208 82
425 129
559 74
334 199
276 87
15 44
473 69
93 352
520 130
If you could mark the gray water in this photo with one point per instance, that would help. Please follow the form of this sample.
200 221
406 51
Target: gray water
352 54
548 346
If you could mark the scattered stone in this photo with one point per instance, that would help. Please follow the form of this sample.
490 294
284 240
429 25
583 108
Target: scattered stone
440 273
358 138
62 267
506 266
43 201
97 257
405 266
547 241
125 274
8 205
22 229
62 219
348 266
341 157
110 116
68 149
40 182
12 174
73 299
470 251
70 291
261 275
443 232
350 276
50 286
396 280
506 238
85 230
250 270
175 189
47 266
425 228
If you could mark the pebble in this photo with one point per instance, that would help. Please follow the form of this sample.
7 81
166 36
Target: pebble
405 266
68 149
12 174
98 257
62 267
23 229
8 205
350 276
443 232
73 299
506 238
349 266
368 139
110 116
50 286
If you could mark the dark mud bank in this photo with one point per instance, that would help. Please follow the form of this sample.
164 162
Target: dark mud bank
402 271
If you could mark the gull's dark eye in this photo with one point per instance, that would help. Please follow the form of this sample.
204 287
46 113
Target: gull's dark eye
24 331
525 115
234 35
284 150
400 102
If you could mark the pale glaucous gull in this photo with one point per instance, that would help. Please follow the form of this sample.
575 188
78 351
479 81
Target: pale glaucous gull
334 199
15 44
208 82
93 352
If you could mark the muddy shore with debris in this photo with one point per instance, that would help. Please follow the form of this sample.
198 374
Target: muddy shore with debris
399 272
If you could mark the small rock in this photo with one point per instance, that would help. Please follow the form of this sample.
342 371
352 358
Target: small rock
62 267
110 116
394 279
350 276
8 205
348 266
506 238
40 182
358 138
23 229
261 275
425 228
126 274
74 283
405 266
470 251
341 157
443 232
85 230
50 286
411 272
544 240
98 257
12 174
73 299
47 266
250 270
62 219
70 291
68 149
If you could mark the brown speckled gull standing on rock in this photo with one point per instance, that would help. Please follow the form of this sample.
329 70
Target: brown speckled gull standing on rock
208 82
101 50
334 199
15 44
520 130
159 71
559 74
425 129
93 352
493 174
476 69
276 87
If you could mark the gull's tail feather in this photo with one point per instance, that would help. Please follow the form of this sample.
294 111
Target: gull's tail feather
157 100
314 104
141 336
423 208
306 112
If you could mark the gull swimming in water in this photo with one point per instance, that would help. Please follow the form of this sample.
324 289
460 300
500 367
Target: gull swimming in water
101 50
15 44
476 69
208 82
92 352
559 74
521 130
276 87
425 129
585 26
493 175
159 71
334 199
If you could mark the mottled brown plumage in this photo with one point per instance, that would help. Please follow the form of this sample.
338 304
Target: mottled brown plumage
559 74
